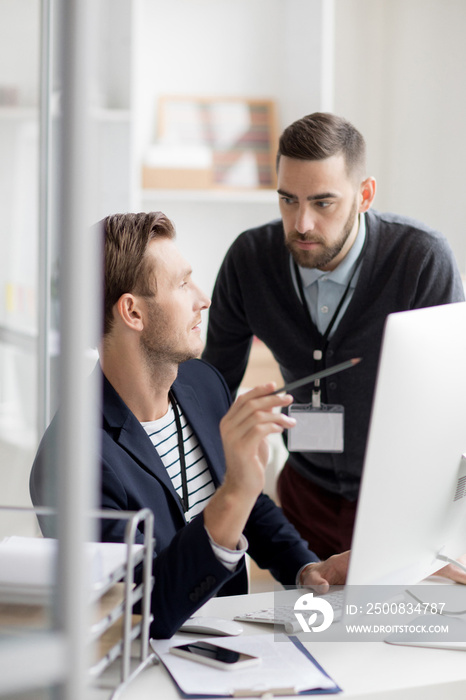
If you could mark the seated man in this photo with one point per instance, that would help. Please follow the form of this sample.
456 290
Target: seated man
171 441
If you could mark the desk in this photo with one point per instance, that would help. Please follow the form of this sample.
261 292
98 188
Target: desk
364 670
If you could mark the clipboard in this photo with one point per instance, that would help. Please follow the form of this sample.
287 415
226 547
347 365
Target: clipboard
284 690
315 691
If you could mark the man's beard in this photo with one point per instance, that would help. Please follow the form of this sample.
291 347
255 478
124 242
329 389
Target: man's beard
157 345
320 259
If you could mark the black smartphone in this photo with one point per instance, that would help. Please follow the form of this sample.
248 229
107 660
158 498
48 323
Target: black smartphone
214 655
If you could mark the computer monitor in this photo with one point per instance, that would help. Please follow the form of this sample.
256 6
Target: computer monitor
412 504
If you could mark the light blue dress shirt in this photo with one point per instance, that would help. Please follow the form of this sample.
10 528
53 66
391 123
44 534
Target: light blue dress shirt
324 290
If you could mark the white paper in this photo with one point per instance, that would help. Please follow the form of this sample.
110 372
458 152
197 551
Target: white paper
316 431
282 665
27 564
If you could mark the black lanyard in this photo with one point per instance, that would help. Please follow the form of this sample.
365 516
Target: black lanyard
184 480
318 353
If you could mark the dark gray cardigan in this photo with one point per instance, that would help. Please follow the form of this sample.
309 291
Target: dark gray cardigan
406 265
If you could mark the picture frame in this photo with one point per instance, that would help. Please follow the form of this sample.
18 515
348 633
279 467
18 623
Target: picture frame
214 142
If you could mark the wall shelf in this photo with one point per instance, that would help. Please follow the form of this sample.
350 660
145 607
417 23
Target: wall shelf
245 196
113 595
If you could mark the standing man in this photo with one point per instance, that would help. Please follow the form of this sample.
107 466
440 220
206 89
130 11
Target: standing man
170 441
316 287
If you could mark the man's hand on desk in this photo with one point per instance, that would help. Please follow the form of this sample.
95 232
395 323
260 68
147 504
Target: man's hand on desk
323 574
453 572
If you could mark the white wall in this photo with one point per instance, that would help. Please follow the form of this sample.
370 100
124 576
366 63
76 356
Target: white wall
19 45
399 77
269 49
248 48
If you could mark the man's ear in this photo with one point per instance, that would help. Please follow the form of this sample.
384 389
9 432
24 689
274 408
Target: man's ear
128 308
367 191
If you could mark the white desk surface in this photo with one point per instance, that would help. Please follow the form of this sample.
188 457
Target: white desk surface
364 670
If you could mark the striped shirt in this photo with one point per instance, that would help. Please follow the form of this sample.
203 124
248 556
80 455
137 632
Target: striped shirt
164 437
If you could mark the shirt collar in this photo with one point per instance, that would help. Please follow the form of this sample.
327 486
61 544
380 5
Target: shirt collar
342 273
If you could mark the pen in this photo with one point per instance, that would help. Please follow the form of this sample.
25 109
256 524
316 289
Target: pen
318 375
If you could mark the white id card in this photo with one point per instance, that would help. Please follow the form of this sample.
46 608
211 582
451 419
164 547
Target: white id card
317 429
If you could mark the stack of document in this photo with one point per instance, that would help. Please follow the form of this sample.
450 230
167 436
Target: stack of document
28 566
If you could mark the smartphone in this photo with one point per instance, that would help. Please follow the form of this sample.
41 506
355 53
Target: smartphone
213 655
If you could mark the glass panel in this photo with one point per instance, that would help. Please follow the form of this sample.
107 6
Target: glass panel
19 146
34 113
20 60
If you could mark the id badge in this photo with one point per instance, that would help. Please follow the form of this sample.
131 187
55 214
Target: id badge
317 429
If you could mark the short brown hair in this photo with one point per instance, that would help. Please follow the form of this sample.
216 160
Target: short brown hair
126 237
322 135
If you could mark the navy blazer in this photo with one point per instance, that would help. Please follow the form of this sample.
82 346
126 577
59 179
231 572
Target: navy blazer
186 571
